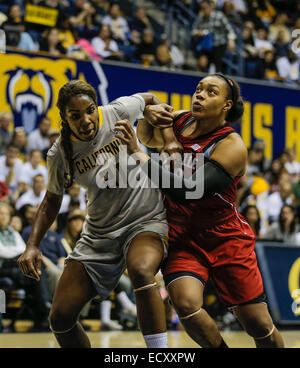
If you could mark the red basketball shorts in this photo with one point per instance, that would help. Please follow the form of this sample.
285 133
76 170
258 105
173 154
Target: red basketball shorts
224 252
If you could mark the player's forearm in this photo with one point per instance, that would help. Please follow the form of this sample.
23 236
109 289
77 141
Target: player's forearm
150 99
46 214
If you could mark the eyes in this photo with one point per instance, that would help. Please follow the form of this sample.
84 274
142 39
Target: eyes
77 116
210 91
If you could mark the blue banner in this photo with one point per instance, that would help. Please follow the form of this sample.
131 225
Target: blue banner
30 83
280 267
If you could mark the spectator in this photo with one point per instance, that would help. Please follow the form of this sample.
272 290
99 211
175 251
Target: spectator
16 223
264 11
117 23
53 253
273 175
277 199
83 16
280 45
286 228
11 168
259 146
288 68
15 30
34 167
214 26
35 195
73 229
27 214
254 160
53 134
105 46
252 216
261 42
162 57
11 246
146 50
50 42
6 121
291 165
38 138
140 21
75 192
268 67
279 26
202 63
19 138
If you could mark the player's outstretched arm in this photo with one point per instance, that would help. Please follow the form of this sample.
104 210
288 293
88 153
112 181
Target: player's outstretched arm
30 261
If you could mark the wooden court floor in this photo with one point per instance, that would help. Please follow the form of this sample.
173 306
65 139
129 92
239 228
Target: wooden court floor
134 339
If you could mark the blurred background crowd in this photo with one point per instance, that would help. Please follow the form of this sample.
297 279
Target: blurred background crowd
247 38
268 195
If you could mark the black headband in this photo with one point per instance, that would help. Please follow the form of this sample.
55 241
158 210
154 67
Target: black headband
231 85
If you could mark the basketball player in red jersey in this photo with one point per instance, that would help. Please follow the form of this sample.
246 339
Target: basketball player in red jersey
208 238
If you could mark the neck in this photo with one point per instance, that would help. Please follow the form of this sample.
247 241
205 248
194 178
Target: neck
205 126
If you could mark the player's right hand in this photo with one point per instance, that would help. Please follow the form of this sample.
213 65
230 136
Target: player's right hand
160 116
30 263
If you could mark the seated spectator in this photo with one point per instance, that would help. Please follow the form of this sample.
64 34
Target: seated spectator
11 168
140 21
14 28
50 42
66 32
75 192
273 175
231 14
261 42
73 229
53 253
249 50
38 138
27 214
279 25
202 63
267 68
53 134
288 68
146 50
34 167
292 165
117 23
162 57
252 216
19 138
16 223
83 18
254 160
105 46
277 199
259 146
11 246
35 195
281 47
6 122
286 228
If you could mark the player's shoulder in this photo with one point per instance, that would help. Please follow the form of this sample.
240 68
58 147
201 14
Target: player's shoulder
235 144
177 113
54 151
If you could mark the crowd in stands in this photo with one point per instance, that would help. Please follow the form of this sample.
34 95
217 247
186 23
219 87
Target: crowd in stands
260 31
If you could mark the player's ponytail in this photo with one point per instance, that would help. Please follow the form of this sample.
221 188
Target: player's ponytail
68 151
234 94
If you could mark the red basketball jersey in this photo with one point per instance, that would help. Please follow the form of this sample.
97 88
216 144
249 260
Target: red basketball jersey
210 211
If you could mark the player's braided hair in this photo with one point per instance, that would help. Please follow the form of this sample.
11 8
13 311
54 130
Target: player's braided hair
69 90
234 94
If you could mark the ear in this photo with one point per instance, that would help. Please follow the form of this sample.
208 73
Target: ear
228 105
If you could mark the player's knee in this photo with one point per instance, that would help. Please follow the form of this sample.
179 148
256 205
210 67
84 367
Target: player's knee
186 306
258 326
141 273
61 319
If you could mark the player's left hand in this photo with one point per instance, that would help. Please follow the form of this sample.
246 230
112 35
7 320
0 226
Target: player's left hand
124 131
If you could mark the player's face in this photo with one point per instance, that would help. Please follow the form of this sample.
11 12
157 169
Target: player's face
82 116
210 99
